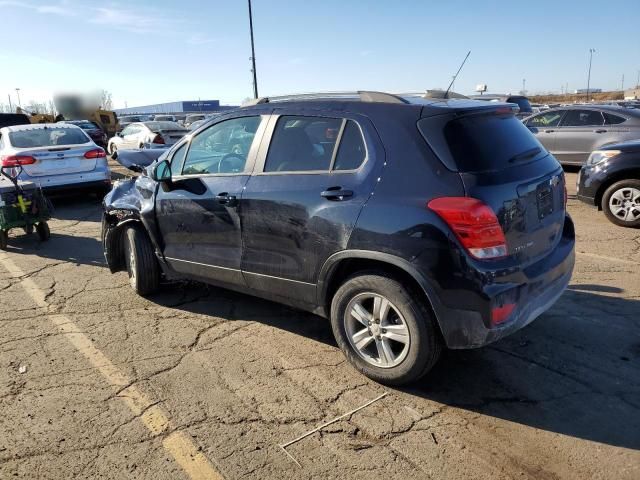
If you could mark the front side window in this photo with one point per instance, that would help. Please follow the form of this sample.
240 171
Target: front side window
221 148
548 119
178 158
302 144
583 118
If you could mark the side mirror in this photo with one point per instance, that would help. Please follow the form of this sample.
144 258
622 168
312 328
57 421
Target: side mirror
161 172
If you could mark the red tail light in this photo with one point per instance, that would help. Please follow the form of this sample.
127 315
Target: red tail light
475 225
500 314
16 160
96 153
158 139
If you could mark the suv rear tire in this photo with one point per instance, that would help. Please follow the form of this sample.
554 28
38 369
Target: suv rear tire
383 330
616 195
141 262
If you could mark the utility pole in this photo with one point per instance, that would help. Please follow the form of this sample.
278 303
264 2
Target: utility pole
253 54
591 51
524 82
18 93
10 106
622 83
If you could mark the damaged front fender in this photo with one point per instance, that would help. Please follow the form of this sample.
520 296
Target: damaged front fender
129 202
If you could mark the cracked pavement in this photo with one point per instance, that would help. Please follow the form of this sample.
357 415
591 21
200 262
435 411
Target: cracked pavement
238 376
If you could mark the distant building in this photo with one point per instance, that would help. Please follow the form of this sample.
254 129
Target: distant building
590 90
185 106
632 94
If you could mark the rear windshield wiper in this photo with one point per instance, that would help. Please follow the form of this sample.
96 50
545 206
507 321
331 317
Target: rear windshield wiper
532 152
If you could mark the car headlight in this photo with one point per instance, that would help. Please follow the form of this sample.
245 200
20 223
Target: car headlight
598 156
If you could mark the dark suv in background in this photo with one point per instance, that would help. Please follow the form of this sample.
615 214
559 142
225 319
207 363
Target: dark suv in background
413 224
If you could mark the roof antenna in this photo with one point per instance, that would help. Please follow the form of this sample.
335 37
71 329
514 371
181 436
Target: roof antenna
446 94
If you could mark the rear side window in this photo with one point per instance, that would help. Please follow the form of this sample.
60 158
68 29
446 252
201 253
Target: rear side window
611 119
547 119
480 143
46 137
583 118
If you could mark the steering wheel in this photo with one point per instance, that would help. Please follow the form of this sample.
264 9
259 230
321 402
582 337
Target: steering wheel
236 162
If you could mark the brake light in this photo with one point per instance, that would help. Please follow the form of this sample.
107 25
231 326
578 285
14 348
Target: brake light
17 160
502 313
95 153
475 225
158 139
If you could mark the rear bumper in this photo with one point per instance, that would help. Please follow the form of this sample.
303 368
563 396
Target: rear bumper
95 178
537 288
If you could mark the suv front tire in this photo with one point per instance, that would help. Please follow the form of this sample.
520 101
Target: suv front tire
141 262
384 331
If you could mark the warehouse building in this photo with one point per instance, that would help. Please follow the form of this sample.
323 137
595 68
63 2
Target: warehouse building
185 106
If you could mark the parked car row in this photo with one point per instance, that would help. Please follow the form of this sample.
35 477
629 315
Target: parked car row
154 134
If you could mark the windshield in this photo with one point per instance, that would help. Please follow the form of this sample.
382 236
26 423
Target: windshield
164 117
87 125
47 137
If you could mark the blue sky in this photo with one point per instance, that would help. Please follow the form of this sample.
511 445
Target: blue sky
152 51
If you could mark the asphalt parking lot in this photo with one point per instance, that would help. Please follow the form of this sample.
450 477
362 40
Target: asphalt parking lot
197 382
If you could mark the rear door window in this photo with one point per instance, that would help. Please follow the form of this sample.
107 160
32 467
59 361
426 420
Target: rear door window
611 119
352 151
302 144
583 118
483 142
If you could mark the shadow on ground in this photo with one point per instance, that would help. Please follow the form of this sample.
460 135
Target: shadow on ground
575 371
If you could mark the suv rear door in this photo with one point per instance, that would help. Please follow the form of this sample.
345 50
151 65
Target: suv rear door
311 181
544 126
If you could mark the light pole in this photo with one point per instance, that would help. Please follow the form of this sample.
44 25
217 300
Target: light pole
253 55
18 93
591 51
524 82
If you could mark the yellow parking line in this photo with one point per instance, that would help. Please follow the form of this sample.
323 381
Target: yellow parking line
155 419
610 259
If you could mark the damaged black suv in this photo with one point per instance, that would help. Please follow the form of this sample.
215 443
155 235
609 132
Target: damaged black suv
413 224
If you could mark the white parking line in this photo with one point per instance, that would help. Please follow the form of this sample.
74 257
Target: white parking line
155 418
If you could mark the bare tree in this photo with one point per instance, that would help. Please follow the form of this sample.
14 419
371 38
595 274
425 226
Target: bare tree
5 108
106 100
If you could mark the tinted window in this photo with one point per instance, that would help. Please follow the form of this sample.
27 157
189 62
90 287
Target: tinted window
352 151
302 144
47 137
489 142
221 148
582 118
548 119
155 126
611 119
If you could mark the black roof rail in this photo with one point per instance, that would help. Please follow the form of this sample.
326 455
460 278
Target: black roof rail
361 95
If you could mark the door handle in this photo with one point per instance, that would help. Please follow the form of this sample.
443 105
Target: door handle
336 193
225 199
600 131
549 131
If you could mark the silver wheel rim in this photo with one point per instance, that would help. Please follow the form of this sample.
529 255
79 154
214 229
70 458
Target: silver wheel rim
624 204
132 267
376 330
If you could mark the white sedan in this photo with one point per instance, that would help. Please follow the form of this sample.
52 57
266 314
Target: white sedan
147 135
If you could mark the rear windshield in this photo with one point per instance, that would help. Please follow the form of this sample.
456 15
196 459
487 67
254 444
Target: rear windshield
522 102
480 143
155 126
47 137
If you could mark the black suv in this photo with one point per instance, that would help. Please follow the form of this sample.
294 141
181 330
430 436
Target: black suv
412 223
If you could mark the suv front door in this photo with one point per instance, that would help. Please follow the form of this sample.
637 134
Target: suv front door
198 211
299 207
580 132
